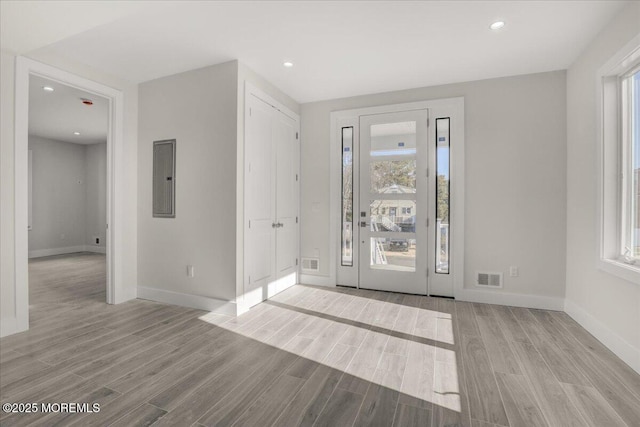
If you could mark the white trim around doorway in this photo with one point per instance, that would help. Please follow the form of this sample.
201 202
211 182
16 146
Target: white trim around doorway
26 67
457 170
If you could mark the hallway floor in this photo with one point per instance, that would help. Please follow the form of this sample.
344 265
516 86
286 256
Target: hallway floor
310 356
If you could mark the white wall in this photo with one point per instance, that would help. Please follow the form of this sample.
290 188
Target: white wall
607 306
59 197
96 195
7 259
69 197
515 177
127 202
204 111
198 109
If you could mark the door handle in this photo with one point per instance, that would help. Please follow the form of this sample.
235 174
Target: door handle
277 225
280 225
274 225
363 223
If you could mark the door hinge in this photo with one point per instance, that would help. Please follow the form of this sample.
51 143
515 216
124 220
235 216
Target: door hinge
427 121
427 272
296 135
296 261
427 172
249 223
296 220
249 112
427 222
249 279
296 177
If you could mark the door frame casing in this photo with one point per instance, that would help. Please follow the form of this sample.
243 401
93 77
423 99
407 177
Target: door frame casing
447 107
26 67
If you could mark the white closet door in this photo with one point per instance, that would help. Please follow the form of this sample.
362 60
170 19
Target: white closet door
287 155
272 156
259 201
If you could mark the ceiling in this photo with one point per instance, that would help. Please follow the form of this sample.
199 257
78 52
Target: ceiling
339 49
26 25
58 114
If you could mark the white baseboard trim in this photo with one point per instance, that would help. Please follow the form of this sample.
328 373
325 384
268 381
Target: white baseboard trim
55 251
614 342
10 326
126 294
471 295
229 308
95 249
39 253
310 279
514 300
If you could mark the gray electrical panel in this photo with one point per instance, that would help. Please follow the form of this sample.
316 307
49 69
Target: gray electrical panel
164 178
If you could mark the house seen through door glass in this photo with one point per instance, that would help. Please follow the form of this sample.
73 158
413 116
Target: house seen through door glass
393 180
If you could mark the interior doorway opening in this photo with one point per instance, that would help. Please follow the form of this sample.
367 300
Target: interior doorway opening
116 291
67 212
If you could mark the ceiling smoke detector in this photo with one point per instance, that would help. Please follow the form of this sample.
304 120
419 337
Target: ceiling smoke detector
86 101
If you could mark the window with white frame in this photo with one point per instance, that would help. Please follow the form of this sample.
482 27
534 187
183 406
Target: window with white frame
630 130
620 164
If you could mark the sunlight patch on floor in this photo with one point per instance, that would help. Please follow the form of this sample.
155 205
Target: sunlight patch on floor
401 347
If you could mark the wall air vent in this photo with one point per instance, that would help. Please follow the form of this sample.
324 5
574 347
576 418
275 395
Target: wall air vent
311 264
488 280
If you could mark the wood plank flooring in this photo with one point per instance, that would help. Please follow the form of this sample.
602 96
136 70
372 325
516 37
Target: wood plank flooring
311 356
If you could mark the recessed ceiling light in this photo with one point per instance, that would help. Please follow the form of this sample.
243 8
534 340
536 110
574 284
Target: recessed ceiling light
288 64
76 133
497 25
48 88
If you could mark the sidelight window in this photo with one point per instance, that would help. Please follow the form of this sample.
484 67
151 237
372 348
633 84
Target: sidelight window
347 196
630 97
442 195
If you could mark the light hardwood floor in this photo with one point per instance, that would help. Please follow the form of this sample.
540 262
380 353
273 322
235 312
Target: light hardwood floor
311 356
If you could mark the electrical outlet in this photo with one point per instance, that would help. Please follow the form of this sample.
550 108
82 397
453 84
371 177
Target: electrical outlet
514 271
190 272
97 240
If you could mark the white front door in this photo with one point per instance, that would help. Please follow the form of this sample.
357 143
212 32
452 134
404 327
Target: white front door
393 211
397 196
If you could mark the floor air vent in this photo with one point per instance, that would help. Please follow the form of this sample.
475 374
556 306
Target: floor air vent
311 264
488 280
